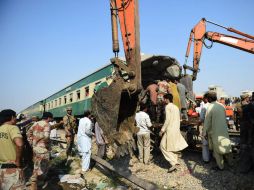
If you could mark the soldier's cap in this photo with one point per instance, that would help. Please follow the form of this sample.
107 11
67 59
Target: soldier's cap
244 96
69 109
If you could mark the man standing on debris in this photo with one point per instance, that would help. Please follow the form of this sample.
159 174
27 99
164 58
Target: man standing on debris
85 140
175 93
143 123
11 175
69 123
153 94
182 92
172 140
39 133
163 88
216 129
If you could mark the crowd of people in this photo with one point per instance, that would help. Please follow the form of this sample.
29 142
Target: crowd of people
26 143
155 93
36 139
214 129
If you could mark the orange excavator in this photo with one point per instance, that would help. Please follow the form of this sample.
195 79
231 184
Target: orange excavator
114 107
198 36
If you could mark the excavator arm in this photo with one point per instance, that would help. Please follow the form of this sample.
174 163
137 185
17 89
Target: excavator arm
115 106
235 42
198 35
127 13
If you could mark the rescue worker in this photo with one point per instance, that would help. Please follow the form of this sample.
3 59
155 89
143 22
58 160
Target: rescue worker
247 138
175 93
237 110
163 88
101 140
245 100
11 143
24 124
216 130
205 149
172 140
70 126
39 133
84 140
152 89
182 93
143 136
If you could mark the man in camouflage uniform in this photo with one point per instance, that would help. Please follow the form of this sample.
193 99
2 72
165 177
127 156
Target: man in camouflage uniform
69 123
11 175
240 106
38 136
24 124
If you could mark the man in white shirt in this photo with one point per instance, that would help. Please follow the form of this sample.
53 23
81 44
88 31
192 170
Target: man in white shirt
84 138
205 148
143 123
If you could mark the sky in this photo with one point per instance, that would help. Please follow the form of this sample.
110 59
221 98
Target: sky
46 45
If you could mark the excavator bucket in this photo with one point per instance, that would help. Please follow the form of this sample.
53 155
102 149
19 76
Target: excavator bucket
114 108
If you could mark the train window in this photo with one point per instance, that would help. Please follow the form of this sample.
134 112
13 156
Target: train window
55 103
48 105
60 101
65 100
87 91
97 83
78 94
71 97
52 106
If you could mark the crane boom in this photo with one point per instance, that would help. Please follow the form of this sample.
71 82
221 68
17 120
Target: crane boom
198 35
235 42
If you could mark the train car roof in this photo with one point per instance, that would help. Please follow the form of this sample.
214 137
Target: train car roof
79 80
31 106
143 58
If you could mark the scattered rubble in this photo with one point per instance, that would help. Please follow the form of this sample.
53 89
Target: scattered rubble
191 174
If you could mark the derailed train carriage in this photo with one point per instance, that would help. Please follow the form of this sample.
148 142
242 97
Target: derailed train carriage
78 95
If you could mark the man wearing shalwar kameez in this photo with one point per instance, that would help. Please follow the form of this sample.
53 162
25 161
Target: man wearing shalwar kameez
172 140
216 129
84 140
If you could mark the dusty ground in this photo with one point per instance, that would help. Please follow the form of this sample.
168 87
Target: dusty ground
191 174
